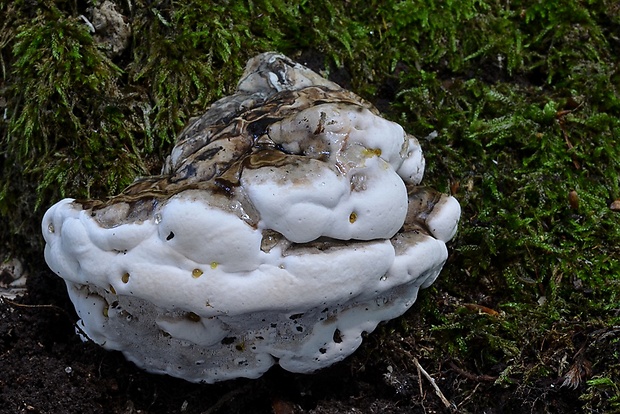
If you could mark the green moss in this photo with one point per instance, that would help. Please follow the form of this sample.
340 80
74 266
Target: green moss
522 97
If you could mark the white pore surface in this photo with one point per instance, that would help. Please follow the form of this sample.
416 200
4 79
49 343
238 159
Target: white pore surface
194 291
209 304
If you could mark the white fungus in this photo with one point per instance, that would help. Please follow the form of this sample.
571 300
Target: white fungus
287 222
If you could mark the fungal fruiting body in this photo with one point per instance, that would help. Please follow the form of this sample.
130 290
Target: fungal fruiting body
287 222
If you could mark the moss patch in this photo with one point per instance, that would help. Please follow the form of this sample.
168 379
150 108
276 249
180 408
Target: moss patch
516 105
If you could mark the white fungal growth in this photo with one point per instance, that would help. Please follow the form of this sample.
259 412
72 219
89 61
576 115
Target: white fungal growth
287 222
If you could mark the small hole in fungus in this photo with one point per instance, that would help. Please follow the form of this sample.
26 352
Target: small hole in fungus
170 236
322 350
228 340
192 317
125 277
337 336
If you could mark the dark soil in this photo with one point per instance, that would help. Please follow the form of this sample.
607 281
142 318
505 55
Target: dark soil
45 368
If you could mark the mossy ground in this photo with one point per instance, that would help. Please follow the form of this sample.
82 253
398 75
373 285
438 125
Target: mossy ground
517 105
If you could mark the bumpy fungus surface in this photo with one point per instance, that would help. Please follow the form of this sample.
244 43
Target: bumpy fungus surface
287 222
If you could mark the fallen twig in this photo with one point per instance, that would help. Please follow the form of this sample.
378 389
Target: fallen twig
470 376
443 399
22 305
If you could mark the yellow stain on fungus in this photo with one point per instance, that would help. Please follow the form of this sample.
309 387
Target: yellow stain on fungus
112 290
372 152
105 310
214 265
125 277
352 218
196 273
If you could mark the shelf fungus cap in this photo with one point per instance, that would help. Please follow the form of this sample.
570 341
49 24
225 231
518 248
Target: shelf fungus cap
288 221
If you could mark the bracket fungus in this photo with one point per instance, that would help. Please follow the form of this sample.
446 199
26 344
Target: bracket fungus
287 221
